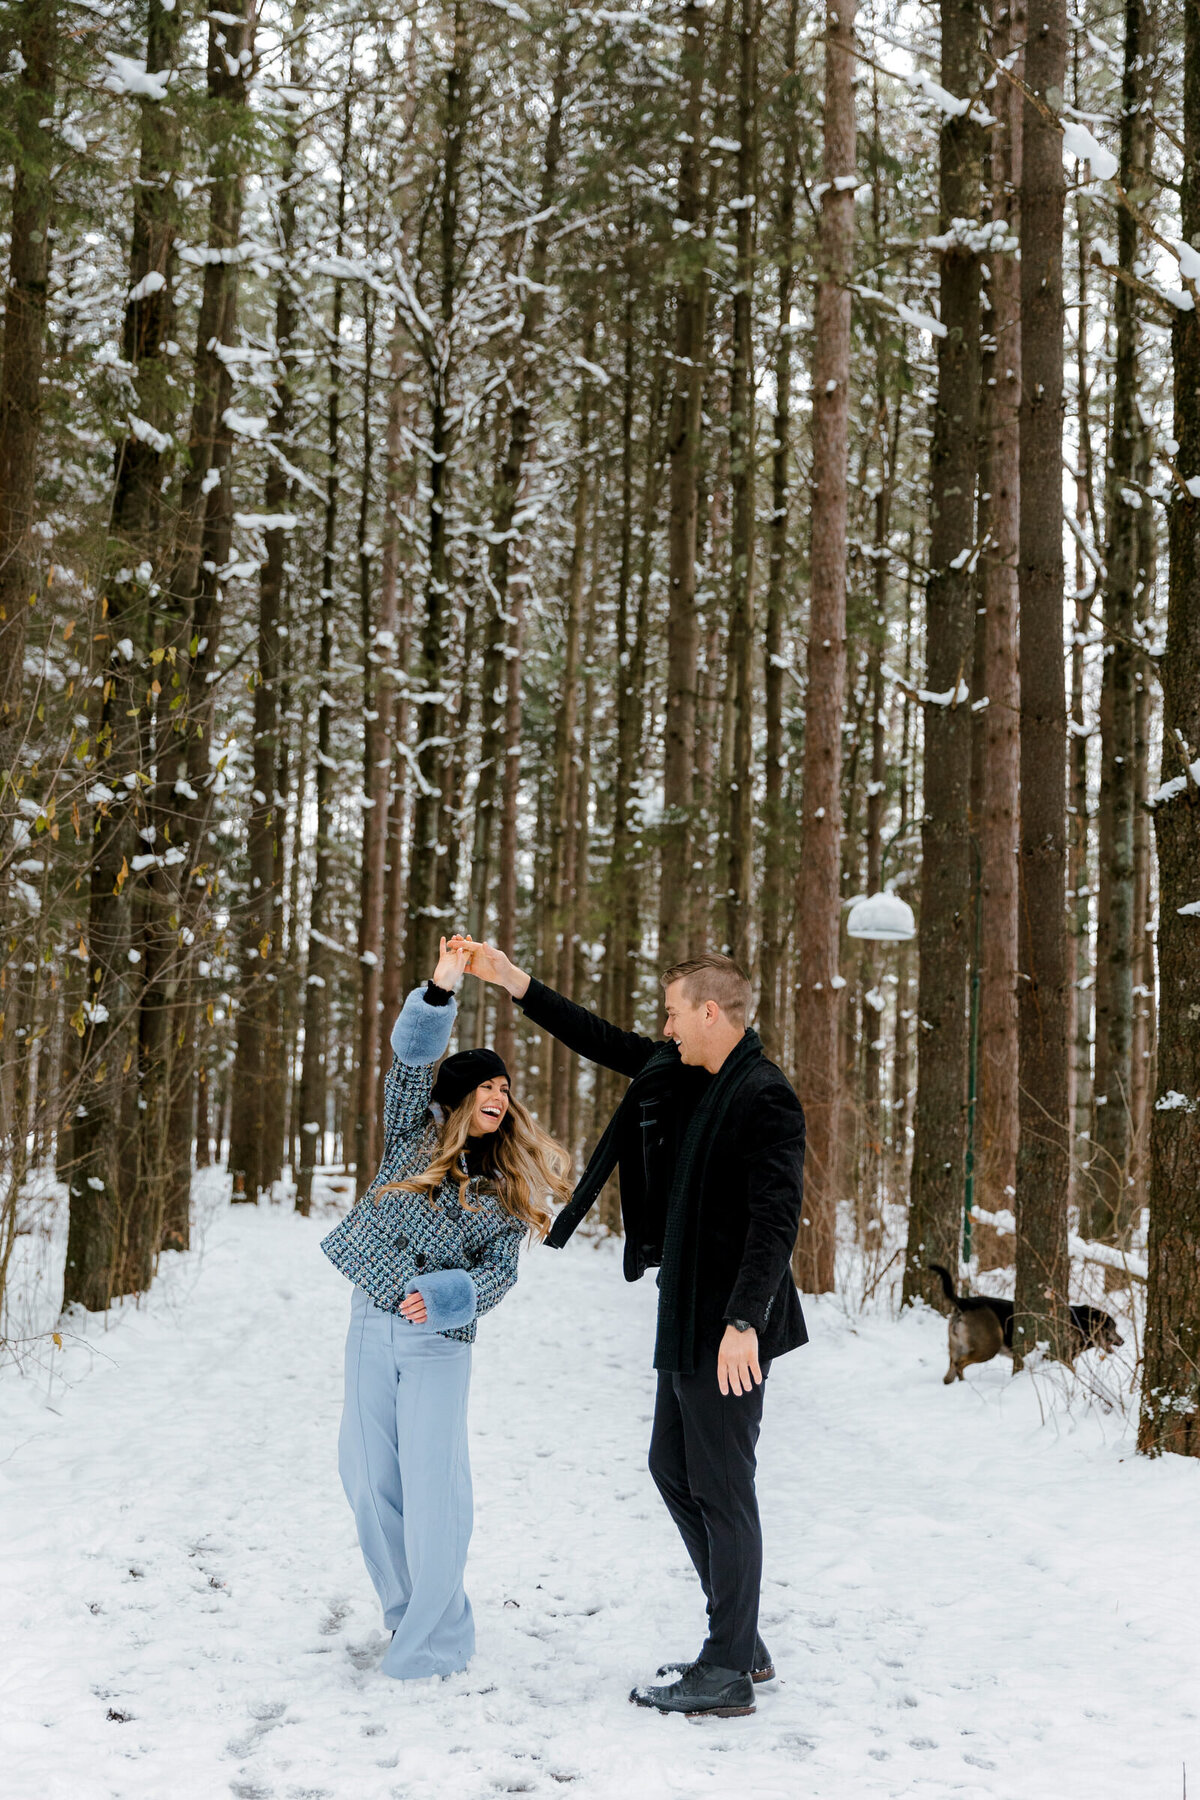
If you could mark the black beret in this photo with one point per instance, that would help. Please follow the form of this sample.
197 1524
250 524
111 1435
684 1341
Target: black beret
461 1074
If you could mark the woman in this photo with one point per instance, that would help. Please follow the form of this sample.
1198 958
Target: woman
431 1245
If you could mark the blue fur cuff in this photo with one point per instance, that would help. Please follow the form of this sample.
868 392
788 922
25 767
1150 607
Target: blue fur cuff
450 1298
421 1033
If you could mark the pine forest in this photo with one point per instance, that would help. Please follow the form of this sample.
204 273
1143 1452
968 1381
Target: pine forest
618 483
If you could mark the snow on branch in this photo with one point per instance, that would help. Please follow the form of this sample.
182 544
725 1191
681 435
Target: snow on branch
1178 784
126 75
920 321
1106 1256
983 237
1079 142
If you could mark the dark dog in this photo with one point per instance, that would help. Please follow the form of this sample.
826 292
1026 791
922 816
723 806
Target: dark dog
981 1326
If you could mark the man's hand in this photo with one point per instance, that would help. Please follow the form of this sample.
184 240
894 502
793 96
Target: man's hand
737 1362
490 964
412 1307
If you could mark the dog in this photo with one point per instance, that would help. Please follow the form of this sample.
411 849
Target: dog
981 1326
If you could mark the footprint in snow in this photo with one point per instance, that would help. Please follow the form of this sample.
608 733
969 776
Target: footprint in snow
266 1715
366 1656
336 1614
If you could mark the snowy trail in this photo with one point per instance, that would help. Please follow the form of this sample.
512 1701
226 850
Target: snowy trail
960 1602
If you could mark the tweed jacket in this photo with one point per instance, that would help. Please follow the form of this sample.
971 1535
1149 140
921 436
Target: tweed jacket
382 1245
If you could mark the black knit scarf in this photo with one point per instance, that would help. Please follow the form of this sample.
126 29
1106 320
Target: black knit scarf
675 1346
674 1349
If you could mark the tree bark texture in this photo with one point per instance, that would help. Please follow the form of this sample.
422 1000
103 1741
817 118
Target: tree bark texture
427 856
996 1108
1170 1415
740 671
260 1012
818 897
21 378
1043 1162
945 929
772 960
683 440
314 1072
1112 1148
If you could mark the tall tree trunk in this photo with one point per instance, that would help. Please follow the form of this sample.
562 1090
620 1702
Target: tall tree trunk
886 432
293 1009
178 892
580 896
259 1015
506 898
999 525
379 637
451 811
1043 1161
564 821
1170 1416
871 1184
21 378
399 508
684 448
618 946
624 935
197 876
945 941
1079 895
379 764
773 931
1111 1211
117 1206
1143 856
740 870
901 1077
275 1081
142 462
314 1074
509 482
1080 887
818 899
425 868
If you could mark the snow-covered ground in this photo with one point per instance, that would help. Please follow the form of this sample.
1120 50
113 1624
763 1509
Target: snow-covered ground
961 1600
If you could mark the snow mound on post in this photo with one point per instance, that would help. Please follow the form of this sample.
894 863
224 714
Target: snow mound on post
884 917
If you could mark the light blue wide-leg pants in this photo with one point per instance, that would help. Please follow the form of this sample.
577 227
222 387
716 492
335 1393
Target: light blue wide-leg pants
402 1456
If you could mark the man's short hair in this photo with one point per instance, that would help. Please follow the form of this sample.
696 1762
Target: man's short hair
716 978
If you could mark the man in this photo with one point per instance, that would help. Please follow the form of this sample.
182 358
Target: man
709 1140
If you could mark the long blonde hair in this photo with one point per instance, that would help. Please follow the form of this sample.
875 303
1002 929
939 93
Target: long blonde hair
523 1163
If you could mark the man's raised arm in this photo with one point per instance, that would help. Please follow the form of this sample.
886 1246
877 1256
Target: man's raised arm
625 1052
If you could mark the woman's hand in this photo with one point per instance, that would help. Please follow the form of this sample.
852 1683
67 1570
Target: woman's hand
412 1306
490 964
452 964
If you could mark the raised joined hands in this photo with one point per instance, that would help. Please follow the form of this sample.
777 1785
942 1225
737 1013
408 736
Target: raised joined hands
490 964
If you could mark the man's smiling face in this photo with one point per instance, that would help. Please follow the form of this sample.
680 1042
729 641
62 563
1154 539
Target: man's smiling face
687 1022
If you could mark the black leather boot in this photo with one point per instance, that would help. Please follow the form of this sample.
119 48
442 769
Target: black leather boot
763 1670
703 1690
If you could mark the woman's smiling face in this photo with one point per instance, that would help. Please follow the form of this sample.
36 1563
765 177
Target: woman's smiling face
491 1104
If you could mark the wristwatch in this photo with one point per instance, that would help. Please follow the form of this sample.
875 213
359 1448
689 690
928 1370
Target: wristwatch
740 1324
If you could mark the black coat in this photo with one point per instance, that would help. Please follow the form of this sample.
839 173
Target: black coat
753 1185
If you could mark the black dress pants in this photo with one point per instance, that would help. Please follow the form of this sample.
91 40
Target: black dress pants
703 1464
